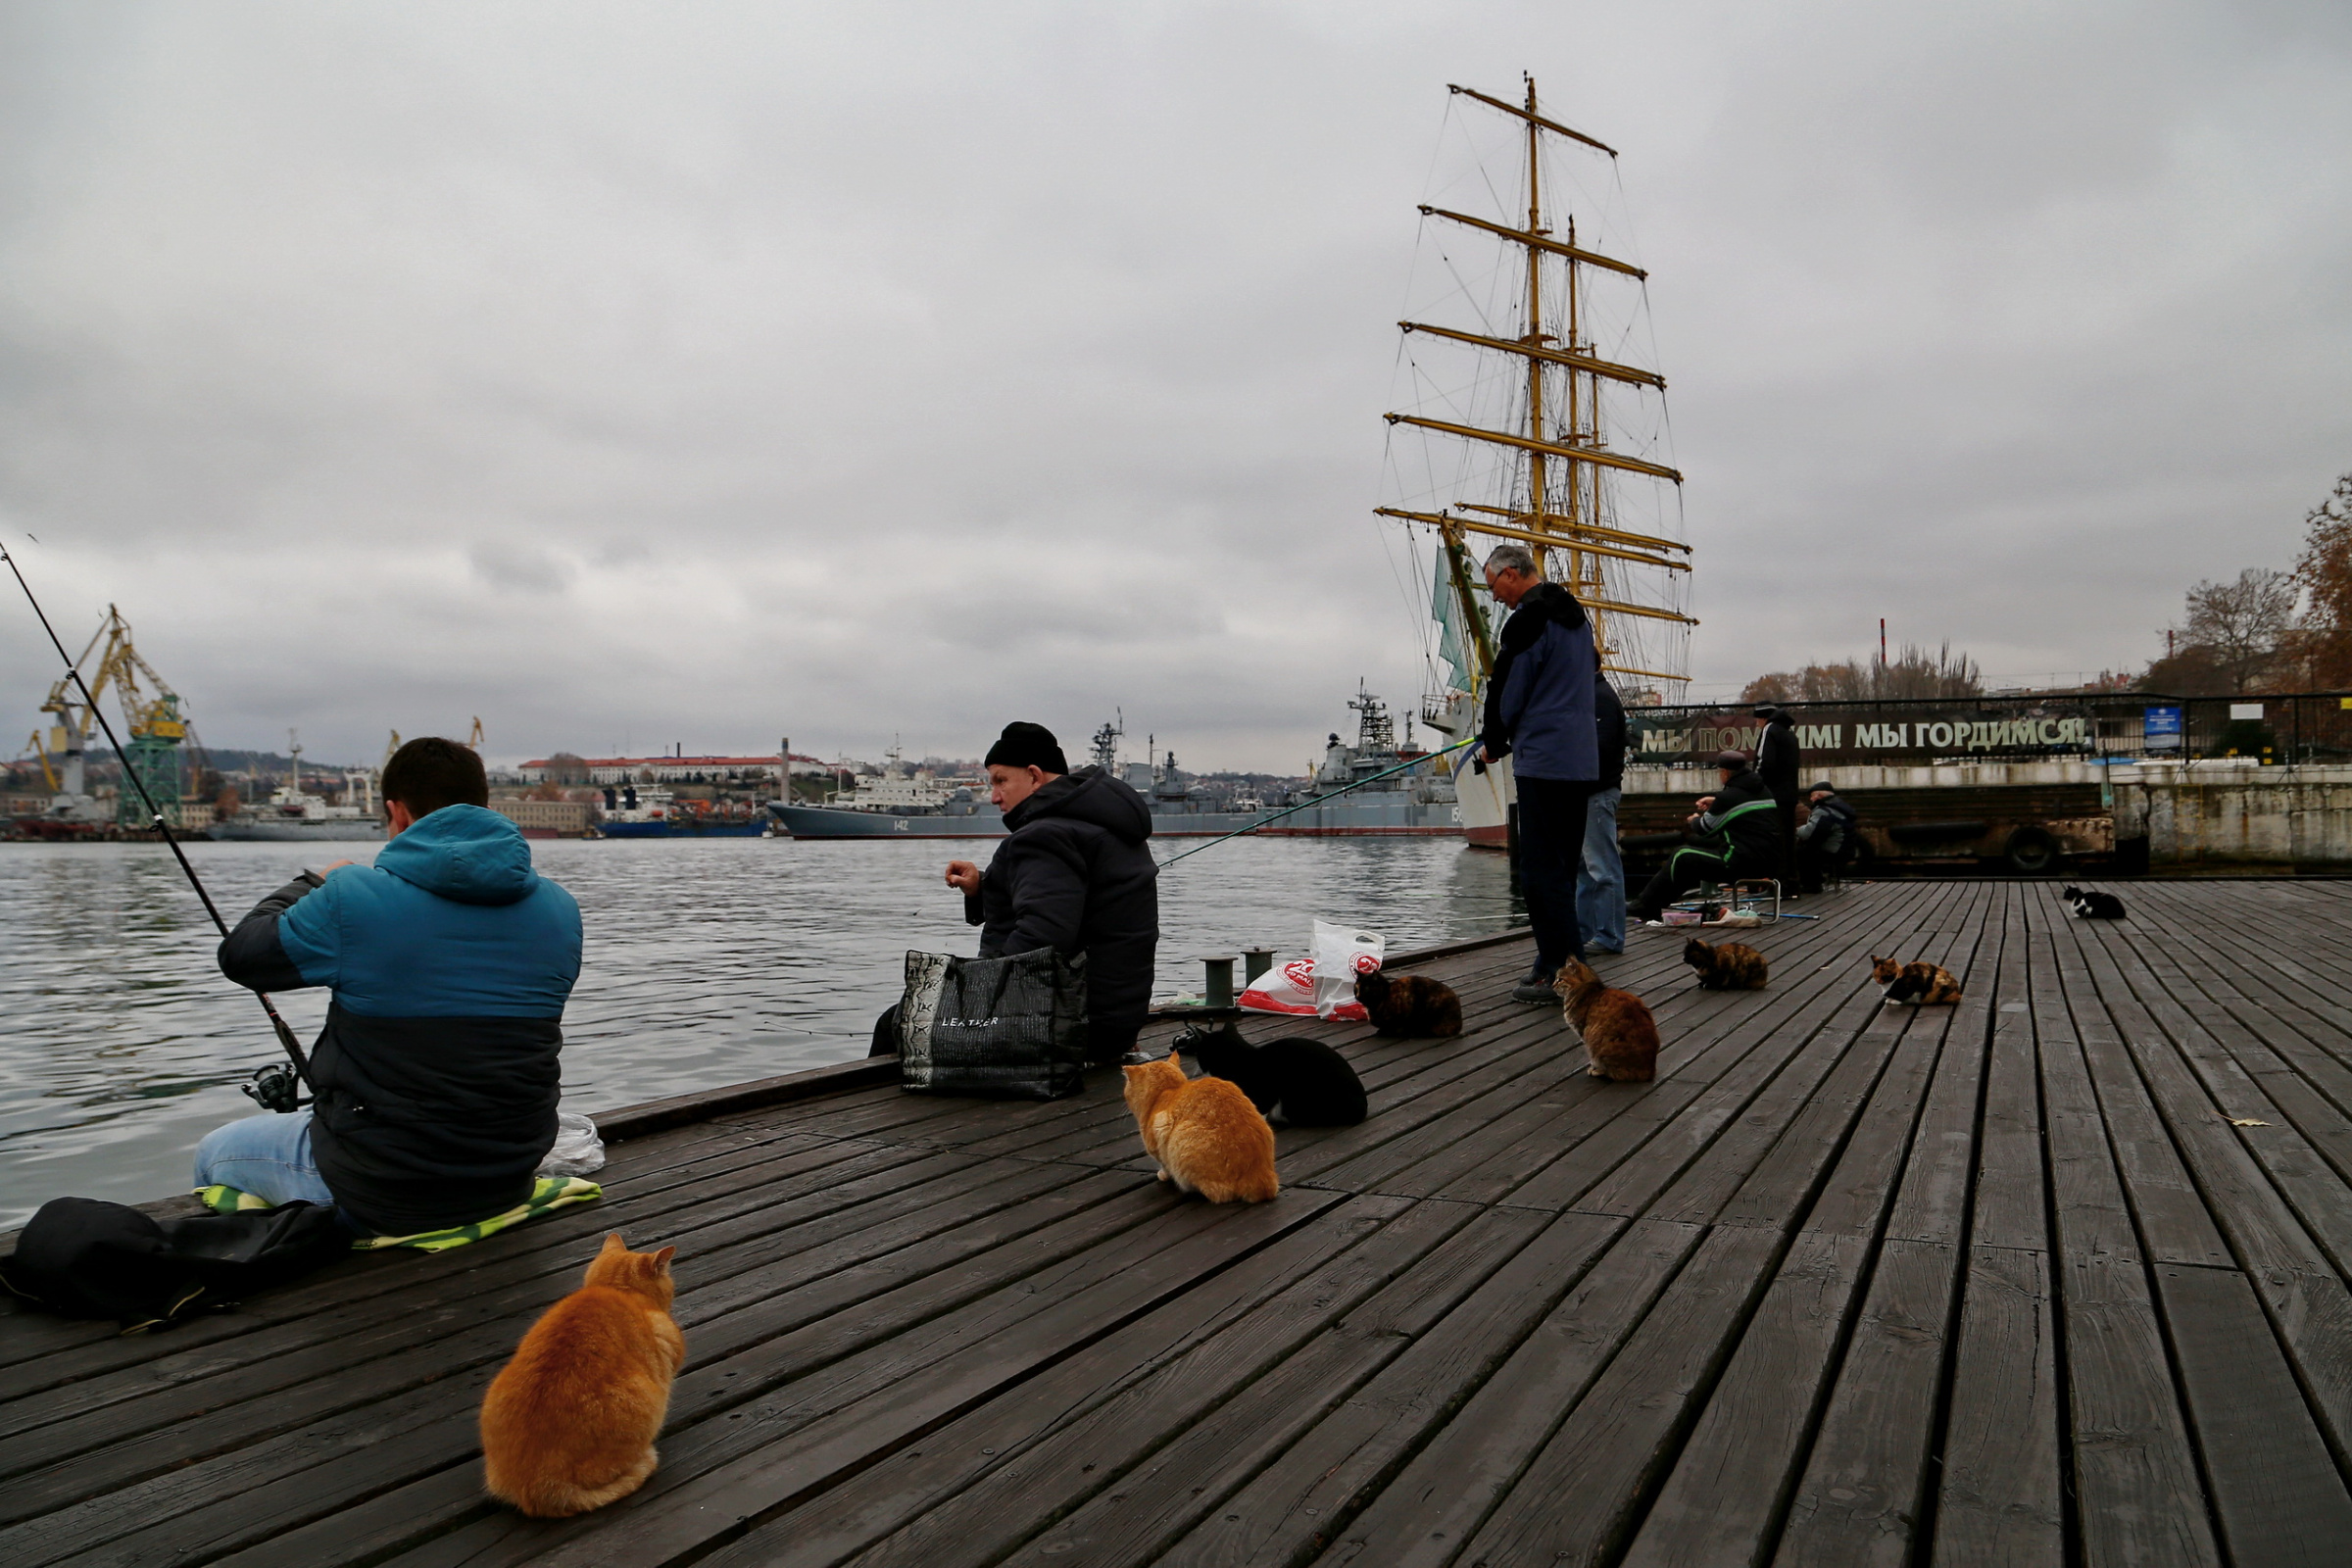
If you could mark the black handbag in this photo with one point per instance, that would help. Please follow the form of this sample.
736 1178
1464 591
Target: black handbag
1012 1027
86 1257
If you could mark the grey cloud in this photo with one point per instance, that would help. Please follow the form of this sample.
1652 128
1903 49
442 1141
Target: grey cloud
687 373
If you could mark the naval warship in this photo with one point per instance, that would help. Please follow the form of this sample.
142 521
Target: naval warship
1417 802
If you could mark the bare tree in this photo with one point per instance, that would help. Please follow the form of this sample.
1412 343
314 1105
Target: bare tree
2324 573
1912 672
2242 627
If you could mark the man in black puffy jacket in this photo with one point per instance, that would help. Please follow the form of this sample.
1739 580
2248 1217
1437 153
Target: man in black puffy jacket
1075 875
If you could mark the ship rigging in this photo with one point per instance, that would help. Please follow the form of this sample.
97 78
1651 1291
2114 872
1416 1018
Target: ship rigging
1551 465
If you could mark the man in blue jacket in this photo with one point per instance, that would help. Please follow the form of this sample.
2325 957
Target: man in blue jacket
1540 712
451 960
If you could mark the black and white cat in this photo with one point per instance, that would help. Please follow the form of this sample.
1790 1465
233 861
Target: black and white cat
2094 905
1304 1083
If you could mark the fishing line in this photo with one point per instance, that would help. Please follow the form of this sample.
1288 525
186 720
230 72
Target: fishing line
1318 801
266 1090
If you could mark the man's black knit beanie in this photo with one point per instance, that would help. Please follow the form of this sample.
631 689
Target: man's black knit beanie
1028 746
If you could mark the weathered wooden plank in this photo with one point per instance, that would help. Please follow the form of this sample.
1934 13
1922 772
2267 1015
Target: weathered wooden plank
1724 1496
1302 1500
1422 1518
2275 1490
1158 1500
1860 1496
1582 1491
2138 1497
2001 1499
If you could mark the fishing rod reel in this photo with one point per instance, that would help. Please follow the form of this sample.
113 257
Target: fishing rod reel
275 1087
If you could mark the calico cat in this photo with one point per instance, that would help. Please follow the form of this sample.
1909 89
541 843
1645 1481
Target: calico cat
1206 1134
1409 1005
568 1424
1733 966
1618 1032
1302 1082
2094 905
1922 984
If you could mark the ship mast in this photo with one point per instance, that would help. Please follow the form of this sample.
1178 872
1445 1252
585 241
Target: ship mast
1577 526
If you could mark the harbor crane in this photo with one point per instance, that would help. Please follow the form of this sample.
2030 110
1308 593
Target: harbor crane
158 728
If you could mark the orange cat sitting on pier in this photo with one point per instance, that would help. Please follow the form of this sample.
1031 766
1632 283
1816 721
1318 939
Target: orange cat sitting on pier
569 1425
1206 1134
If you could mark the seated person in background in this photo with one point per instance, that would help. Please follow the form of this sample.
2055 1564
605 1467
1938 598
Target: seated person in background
1075 875
1736 834
451 960
1825 837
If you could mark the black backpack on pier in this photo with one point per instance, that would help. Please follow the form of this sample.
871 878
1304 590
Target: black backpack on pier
86 1257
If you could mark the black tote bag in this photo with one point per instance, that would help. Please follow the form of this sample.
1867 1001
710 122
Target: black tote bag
1012 1027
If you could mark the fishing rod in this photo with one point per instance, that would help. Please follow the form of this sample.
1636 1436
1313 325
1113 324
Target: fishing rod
271 1087
1319 800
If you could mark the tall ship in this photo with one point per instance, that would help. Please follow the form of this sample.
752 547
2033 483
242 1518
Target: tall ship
1547 437
1413 803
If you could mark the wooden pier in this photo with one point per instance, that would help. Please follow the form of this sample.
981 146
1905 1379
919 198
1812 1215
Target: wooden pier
2055 1276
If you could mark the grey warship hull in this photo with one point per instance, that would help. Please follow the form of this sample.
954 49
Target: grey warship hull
1389 814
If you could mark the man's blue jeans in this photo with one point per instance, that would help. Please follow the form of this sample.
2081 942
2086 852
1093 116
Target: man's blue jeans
267 1155
1600 877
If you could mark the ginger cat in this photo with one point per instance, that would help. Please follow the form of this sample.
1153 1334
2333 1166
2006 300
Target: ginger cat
1618 1032
1922 984
1206 1134
568 1424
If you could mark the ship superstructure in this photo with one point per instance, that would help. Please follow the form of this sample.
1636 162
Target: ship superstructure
1539 432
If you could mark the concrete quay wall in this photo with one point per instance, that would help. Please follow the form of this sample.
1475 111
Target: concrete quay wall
2204 814
2210 812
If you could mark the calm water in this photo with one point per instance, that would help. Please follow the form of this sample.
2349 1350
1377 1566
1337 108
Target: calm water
708 963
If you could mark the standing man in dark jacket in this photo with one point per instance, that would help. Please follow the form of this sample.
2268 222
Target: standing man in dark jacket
1600 874
1540 712
451 960
1732 836
1779 762
1075 875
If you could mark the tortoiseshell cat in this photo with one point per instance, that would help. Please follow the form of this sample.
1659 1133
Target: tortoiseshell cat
1732 966
1618 1032
1409 1005
1304 1082
1920 984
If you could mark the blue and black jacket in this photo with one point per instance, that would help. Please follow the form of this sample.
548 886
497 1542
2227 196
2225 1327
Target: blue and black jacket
436 1075
1539 700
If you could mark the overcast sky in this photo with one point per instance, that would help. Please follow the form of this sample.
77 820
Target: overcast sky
706 373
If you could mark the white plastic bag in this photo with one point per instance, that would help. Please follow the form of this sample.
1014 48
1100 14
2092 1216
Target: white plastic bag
578 1151
1286 988
1342 954
1323 984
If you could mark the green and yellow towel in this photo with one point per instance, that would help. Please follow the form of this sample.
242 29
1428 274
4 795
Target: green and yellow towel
548 1194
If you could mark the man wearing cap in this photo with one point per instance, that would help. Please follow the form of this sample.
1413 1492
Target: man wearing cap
1826 836
1075 875
1779 763
1539 712
1734 834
